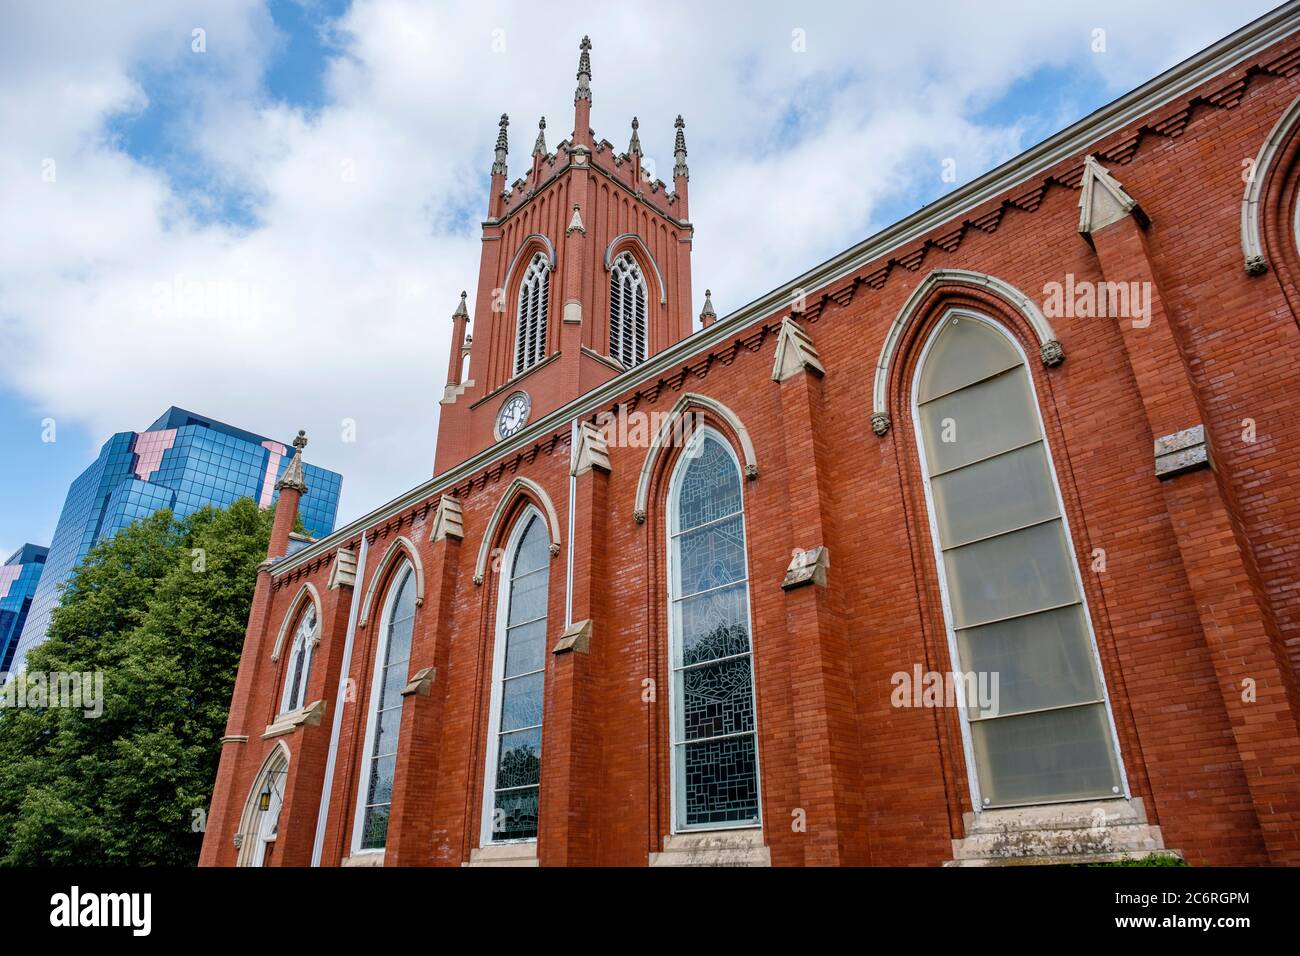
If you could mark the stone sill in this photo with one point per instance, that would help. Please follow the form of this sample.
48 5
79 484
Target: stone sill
739 847
504 854
364 858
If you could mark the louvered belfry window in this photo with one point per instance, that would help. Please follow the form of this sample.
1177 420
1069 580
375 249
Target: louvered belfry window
530 324
627 311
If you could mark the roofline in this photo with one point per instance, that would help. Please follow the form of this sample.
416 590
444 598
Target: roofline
1217 58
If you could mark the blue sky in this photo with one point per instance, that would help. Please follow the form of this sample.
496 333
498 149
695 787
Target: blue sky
330 158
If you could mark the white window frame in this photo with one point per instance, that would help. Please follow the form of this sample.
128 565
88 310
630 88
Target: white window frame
674 639
968 747
404 572
504 577
531 325
624 264
311 638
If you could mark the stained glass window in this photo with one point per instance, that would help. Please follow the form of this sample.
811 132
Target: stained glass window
715 763
391 676
1015 601
299 662
515 769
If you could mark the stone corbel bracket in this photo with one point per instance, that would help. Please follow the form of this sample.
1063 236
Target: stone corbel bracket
309 716
808 567
576 637
421 683
1181 451
343 572
1252 244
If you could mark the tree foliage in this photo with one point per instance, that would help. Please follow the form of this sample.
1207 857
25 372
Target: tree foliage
160 609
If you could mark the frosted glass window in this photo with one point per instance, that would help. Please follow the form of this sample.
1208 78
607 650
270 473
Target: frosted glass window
1011 490
1014 601
1016 573
514 775
715 754
392 675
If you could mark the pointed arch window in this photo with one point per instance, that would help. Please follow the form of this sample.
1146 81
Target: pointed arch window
392 664
518 664
301 653
627 311
1013 598
712 722
530 321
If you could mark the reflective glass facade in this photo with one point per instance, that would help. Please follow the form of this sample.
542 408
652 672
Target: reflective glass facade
183 462
18 579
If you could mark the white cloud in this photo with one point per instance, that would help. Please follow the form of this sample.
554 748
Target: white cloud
367 210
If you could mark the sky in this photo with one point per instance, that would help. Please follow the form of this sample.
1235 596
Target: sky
264 210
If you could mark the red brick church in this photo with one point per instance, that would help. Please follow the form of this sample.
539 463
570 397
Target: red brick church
974 544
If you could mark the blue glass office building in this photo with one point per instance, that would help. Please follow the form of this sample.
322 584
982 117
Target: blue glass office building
183 462
18 579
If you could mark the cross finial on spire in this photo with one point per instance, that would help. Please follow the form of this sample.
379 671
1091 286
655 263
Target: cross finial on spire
499 166
634 147
584 70
301 441
539 147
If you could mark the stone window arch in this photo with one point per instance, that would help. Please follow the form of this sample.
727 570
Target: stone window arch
533 304
628 318
258 828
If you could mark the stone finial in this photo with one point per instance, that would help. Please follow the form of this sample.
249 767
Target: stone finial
634 147
795 352
448 520
343 571
1102 199
707 315
539 147
293 475
1052 353
499 167
679 150
1256 265
462 311
584 71
880 423
807 567
590 451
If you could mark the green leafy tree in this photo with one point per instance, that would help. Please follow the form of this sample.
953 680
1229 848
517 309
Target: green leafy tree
160 609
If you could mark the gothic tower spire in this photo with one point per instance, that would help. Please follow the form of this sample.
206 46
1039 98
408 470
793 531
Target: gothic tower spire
582 97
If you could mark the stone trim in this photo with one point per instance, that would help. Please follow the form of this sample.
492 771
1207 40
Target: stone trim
525 244
1086 832
421 683
519 485
665 429
400 546
1103 200
343 571
364 858
1252 244
448 520
714 848
955 277
795 352
1181 451
808 567
235 739
576 637
295 606
307 716
590 451
504 854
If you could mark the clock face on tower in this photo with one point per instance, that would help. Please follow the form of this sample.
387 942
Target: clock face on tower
514 414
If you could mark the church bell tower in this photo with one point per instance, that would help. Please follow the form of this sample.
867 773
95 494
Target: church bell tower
585 273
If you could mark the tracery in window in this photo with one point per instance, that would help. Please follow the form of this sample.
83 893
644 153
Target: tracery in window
530 321
627 311
298 671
